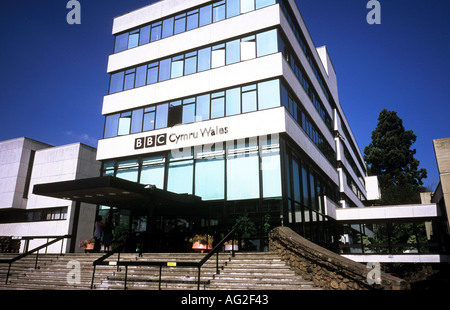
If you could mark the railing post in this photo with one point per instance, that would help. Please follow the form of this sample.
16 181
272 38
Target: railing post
160 276
198 279
7 275
93 276
37 255
126 276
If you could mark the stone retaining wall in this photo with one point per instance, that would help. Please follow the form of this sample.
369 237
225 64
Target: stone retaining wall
326 269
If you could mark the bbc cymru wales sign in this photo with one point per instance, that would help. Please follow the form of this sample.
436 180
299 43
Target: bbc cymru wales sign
175 138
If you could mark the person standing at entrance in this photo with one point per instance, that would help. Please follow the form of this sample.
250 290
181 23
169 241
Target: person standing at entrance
108 234
98 230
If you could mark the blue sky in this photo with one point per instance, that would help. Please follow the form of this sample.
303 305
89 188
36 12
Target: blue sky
53 75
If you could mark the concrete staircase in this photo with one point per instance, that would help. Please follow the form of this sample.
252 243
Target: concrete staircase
246 271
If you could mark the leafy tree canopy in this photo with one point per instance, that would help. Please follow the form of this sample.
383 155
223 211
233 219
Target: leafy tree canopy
390 157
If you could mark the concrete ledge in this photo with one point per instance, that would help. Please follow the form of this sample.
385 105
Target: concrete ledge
326 269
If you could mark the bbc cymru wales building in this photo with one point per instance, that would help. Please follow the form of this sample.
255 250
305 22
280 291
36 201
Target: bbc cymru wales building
231 102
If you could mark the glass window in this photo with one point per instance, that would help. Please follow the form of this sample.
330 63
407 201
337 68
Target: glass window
233 8
233 53
271 172
218 11
190 64
152 73
204 59
192 20
313 191
129 79
248 48
266 43
156 32
177 66
242 174
247 6
152 171
141 75
133 39
121 42
305 186
144 37
116 83
210 177
217 105
249 98
205 15
124 123
136 121
268 94
128 170
164 69
167 29
149 119
111 125
233 105
180 23
264 3
188 111
108 168
296 180
175 113
180 177
202 112
162 112
218 56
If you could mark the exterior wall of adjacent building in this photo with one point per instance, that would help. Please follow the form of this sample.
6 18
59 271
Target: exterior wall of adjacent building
31 215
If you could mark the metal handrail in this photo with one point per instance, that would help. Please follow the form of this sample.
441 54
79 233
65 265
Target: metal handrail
160 264
23 255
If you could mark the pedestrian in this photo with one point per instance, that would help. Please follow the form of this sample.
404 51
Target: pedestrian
98 230
107 234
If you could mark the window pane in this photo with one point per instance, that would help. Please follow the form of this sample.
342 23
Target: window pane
152 73
153 171
248 98
180 177
144 38
217 105
141 75
202 113
136 121
266 43
243 176
247 5
133 39
192 20
129 79
210 178
111 125
305 186
271 173
218 11
233 52
124 124
128 170
116 83
264 3
164 69
162 112
190 64
180 23
204 59
233 106
268 94
248 48
177 67
205 15
121 43
167 27
149 121
218 56
156 32
296 180
232 8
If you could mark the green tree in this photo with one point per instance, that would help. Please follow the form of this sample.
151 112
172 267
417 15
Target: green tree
391 158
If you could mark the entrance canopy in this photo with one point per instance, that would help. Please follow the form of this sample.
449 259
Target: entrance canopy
116 192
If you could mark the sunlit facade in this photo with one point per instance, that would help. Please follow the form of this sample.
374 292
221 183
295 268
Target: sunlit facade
230 101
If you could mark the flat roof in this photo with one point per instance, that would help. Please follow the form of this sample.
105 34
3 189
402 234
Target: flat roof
115 192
